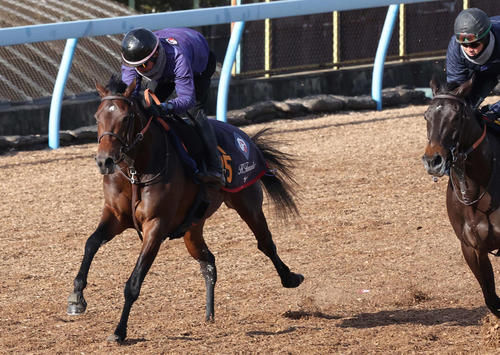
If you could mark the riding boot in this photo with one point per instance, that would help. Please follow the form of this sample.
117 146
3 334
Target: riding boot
213 173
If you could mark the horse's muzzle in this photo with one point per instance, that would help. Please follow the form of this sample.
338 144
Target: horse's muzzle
435 164
105 163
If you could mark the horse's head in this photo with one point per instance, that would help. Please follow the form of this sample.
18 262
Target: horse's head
448 123
117 124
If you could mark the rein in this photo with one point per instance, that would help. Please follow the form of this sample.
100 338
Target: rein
462 157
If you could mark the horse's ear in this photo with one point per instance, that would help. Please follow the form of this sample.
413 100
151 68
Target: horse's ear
100 89
464 89
130 88
434 85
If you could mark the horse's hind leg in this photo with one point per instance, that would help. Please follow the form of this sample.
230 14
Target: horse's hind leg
248 204
480 265
198 250
107 229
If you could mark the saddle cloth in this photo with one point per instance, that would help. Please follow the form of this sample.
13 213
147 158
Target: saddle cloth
242 160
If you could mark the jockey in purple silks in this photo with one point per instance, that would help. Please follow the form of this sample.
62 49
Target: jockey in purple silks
175 59
475 49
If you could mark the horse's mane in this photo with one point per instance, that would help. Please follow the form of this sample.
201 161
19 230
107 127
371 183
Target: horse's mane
447 88
116 85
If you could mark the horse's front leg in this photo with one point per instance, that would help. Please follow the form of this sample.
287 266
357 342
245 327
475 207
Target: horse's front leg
480 266
108 227
150 247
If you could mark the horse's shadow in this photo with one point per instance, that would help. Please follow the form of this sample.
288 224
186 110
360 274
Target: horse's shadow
451 316
132 341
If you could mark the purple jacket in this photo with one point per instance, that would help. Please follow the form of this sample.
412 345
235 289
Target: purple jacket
186 55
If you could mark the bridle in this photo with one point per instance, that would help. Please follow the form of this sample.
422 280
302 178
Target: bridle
126 147
458 158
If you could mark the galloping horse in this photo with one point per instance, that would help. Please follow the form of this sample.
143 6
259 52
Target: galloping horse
146 187
460 145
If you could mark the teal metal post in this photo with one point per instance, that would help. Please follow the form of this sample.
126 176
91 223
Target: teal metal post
225 75
378 65
58 93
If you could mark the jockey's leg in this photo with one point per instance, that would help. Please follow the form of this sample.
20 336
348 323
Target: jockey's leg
213 173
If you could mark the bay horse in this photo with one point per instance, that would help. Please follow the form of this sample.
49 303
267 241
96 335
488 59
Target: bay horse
146 187
461 145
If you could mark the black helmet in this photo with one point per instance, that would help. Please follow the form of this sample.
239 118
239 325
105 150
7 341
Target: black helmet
471 25
138 46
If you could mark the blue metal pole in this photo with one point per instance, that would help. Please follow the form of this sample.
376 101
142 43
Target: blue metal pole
378 65
225 75
58 93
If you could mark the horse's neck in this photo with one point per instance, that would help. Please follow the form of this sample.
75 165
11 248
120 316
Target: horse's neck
478 164
153 151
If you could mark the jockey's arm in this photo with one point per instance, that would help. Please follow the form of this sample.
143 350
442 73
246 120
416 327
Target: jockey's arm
184 86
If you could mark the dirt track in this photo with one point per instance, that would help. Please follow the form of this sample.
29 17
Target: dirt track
384 272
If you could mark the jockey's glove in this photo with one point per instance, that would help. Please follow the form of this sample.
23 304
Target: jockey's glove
157 110
489 116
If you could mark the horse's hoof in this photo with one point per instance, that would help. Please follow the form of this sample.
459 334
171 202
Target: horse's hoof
293 280
113 338
76 305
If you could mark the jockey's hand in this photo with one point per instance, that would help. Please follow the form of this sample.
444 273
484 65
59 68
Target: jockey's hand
157 110
489 116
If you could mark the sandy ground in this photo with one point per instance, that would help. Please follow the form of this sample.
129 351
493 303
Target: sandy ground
383 270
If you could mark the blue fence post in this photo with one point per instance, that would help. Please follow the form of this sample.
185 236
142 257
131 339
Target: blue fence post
58 93
225 75
378 64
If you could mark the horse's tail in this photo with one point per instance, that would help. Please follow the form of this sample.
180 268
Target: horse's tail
279 181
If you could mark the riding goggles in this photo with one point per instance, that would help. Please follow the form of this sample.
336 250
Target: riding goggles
470 37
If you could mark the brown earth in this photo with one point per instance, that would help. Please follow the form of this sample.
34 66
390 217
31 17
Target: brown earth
383 270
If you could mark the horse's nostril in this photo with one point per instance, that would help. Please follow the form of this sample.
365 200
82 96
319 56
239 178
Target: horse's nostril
109 162
437 160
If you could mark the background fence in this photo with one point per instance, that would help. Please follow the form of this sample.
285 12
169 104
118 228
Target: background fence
350 38
329 40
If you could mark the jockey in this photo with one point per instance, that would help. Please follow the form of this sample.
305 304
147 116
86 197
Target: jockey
175 58
475 49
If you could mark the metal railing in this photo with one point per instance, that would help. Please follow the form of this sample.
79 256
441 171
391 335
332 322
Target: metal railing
198 17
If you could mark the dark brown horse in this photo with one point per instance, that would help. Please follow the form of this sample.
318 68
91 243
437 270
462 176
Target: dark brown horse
460 145
147 188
